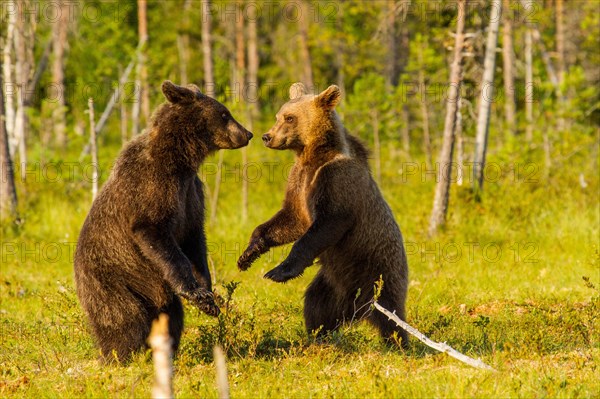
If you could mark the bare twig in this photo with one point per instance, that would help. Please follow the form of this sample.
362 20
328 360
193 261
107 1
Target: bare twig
222 384
439 346
162 357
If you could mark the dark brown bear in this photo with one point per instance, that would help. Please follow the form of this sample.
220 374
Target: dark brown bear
142 244
334 211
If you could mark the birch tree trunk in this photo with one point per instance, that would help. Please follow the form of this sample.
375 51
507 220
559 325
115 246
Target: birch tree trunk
528 79
442 189
142 69
251 93
304 23
122 112
94 149
508 69
240 82
560 65
460 149
391 70
24 40
487 96
376 144
59 43
9 85
560 41
405 132
340 49
8 192
209 80
424 109
183 44
253 63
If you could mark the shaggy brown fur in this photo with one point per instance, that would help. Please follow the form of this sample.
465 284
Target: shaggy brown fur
142 244
333 210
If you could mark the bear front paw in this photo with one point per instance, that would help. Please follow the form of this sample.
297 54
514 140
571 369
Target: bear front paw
251 254
283 273
205 301
210 308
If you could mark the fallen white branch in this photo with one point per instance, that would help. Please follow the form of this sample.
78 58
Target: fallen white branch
439 346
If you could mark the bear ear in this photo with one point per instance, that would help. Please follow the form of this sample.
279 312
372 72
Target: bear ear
297 90
177 94
330 97
195 89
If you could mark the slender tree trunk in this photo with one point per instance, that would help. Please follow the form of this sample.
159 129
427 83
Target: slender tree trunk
9 84
529 85
560 41
304 23
24 39
487 96
215 193
240 54
59 43
424 109
142 69
561 68
340 49
442 189
135 109
138 110
123 120
391 70
550 71
183 44
251 93
376 145
94 148
405 129
209 80
8 192
240 82
508 69
253 63
122 113
460 149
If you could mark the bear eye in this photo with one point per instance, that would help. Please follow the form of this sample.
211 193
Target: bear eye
224 115
289 119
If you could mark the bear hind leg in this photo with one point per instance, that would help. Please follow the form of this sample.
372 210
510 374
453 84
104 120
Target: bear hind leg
175 312
321 309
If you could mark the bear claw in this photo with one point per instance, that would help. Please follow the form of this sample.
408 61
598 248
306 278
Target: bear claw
281 275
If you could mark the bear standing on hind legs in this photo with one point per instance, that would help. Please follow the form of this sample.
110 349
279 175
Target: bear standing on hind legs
142 244
334 211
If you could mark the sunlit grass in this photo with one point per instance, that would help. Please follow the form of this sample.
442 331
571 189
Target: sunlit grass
527 310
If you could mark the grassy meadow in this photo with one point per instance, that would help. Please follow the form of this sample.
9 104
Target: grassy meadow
513 280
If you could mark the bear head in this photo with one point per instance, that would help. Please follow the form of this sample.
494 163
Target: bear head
206 120
306 120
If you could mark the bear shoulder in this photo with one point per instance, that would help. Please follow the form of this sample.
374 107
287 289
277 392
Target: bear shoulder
341 182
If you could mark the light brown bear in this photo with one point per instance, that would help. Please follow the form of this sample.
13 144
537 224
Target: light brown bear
334 211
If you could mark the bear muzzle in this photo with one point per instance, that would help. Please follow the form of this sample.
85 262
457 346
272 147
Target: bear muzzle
239 136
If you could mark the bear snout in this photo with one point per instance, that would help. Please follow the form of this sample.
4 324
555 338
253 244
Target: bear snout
266 138
249 135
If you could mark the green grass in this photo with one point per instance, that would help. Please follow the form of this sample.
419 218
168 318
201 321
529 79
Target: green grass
505 283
